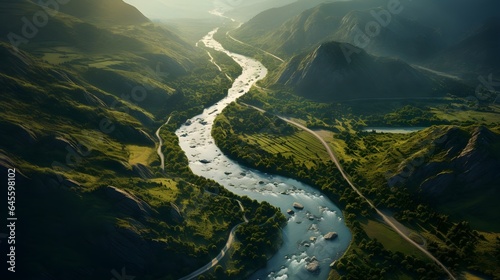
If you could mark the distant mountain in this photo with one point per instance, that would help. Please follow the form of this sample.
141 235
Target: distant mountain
400 37
245 10
266 23
104 11
418 32
350 22
200 9
475 55
452 18
339 71
272 29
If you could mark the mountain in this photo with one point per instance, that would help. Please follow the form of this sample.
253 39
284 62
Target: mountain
104 12
392 35
81 100
452 18
273 28
415 31
18 25
350 22
245 10
473 56
340 71
460 171
263 24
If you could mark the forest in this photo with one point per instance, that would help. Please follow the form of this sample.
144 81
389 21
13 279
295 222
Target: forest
454 243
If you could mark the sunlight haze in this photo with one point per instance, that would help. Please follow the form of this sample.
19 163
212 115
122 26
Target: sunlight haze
171 9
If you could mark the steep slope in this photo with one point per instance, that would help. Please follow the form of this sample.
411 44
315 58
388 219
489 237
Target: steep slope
80 101
60 29
392 35
268 21
337 71
296 23
387 34
457 169
104 12
112 59
475 55
412 31
453 18
243 11
460 161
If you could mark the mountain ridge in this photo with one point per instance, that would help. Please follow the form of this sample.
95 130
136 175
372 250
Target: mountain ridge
81 99
476 53
114 12
339 71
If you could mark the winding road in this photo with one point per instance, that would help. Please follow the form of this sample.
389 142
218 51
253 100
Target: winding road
386 218
217 65
333 157
243 43
222 253
160 143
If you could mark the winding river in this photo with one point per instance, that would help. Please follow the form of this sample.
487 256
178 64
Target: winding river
303 235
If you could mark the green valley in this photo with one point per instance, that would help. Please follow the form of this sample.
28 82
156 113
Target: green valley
259 139
80 104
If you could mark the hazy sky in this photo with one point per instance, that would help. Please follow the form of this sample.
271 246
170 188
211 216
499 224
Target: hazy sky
158 9
163 9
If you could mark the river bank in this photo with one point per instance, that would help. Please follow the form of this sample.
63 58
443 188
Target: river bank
319 217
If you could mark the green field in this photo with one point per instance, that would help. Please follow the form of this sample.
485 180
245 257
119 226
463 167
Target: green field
370 159
141 154
300 146
390 239
465 115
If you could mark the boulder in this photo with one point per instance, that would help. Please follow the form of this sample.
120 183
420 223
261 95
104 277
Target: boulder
313 266
297 205
290 211
331 235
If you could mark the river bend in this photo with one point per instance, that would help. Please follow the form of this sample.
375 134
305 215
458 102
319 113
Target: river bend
303 234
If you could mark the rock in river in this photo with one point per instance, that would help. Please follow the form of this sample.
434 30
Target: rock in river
331 235
290 211
297 205
313 266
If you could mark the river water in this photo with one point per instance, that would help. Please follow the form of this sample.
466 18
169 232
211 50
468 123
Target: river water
319 215
399 130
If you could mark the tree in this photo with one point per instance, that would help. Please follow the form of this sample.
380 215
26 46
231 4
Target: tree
219 271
